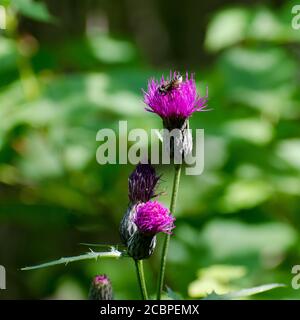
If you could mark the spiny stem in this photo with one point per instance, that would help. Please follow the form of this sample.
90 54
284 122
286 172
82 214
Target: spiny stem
90 255
141 278
167 237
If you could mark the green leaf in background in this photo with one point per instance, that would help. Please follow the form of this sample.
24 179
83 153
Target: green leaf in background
109 50
243 194
289 151
234 25
5 2
33 9
216 278
266 85
227 28
253 130
228 239
8 56
216 282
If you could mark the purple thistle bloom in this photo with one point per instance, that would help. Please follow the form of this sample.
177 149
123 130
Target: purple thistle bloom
177 103
142 183
152 217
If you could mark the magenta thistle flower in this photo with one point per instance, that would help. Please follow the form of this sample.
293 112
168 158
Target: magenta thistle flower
101 288
174 102
101 279
142 183
152 217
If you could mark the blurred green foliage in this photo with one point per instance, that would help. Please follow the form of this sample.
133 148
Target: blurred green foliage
238 222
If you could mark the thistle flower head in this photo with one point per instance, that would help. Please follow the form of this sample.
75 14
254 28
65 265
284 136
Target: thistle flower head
152 217
176 102
142 183
101 288
101 279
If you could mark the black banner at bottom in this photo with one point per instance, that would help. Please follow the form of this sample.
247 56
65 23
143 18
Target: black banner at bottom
56 309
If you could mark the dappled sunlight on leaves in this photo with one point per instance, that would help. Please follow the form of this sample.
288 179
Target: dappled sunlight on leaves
231 238
216 278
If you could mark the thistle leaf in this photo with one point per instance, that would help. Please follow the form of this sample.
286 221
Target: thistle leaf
244 292
173 295
34 10
252 291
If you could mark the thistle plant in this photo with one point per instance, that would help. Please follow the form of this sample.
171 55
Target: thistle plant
174 108
174 100
143 219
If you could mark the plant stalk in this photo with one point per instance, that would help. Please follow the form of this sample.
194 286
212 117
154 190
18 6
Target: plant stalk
167 236
141 278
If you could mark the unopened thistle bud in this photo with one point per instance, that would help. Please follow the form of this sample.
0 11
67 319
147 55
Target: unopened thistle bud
142 183
101 288
150 218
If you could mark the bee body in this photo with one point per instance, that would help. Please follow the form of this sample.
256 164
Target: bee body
170 85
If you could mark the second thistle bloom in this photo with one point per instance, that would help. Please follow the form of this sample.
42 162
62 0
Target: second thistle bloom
150 218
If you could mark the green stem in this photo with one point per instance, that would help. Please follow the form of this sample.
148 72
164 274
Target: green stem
167 237
141 278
